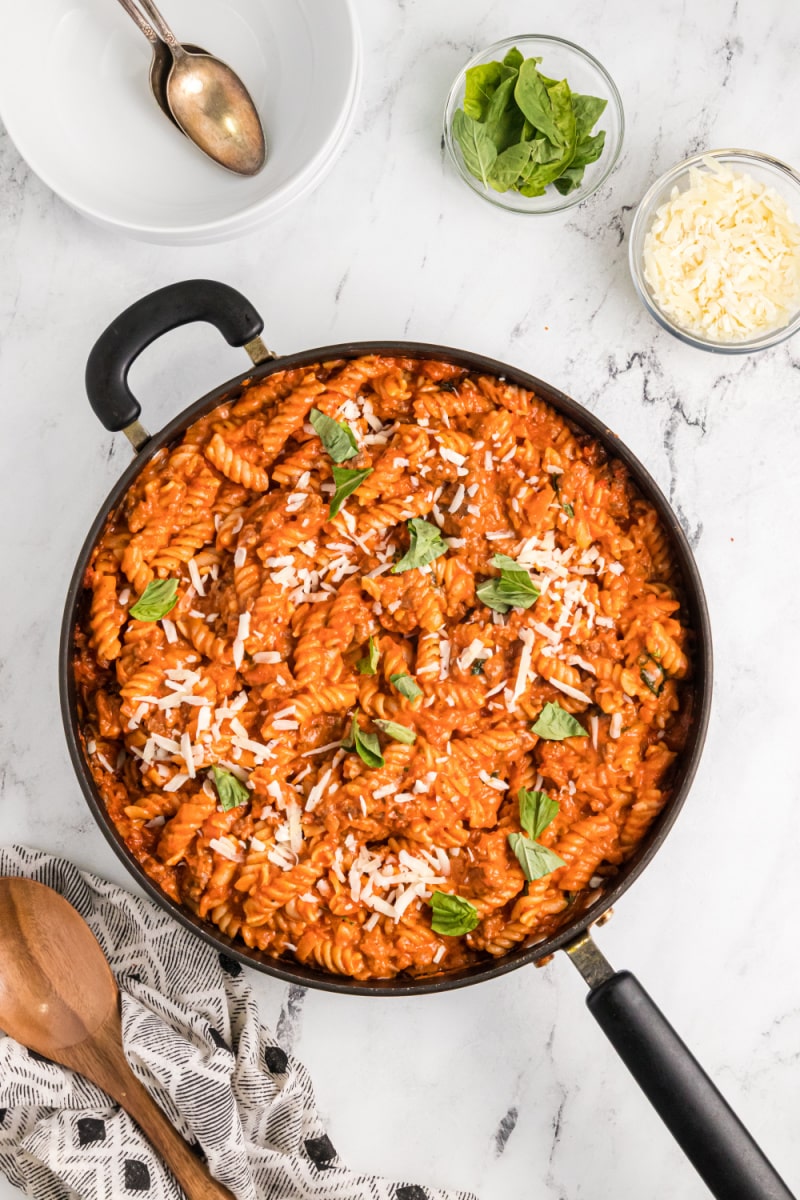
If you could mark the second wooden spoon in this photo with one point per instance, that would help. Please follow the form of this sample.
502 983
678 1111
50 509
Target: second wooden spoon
59 998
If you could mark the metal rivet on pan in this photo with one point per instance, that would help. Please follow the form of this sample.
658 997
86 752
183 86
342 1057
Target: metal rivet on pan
604 918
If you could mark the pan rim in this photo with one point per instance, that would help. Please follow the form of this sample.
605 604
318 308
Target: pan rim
587 421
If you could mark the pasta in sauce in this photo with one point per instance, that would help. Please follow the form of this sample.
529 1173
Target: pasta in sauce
296 648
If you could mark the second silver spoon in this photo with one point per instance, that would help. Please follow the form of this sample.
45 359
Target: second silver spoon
211 104
161 61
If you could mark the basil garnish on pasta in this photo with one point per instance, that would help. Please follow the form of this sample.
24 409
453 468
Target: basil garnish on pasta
400 733
427 544
536 861
337 438
369 664
230 790
554 724
514 588
158 598
452 915
366 745
536 811
347 480
652 674
477 666
406 686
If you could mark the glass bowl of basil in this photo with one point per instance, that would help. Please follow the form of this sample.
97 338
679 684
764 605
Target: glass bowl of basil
534 124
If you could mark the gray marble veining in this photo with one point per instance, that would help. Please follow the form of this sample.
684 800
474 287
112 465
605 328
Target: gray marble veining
507 1088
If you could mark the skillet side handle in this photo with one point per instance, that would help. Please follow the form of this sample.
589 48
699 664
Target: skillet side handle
698 1116
123 341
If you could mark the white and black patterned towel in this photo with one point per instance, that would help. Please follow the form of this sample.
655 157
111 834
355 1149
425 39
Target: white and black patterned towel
193 1037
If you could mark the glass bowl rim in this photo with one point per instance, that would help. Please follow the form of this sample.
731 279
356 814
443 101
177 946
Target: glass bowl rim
565 202
644 213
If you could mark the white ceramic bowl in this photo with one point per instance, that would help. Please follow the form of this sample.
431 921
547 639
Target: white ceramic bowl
90 128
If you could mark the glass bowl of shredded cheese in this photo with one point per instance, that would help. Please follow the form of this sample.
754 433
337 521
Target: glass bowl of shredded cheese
715 251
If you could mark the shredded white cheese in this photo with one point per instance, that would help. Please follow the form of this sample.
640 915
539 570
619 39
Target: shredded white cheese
194 575
523 670
722 257
574 693
242 632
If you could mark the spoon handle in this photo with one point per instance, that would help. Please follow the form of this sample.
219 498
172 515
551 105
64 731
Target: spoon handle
138 18
102 1059
164 31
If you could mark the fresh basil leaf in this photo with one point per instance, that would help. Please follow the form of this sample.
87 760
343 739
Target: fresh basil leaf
480 85
545 166
506 131
547 162
515 59
231 791
509 165
504 121
502 596
347 480
406 686
589 150
477 147
534 100
536 811
652 674
368 665
158 598
570 181
502 99
536 861
400 733
427 544
452 915
477 666
366 745
509 566
568 509
588 110
537 179
514 588
337 438
554 724
563 114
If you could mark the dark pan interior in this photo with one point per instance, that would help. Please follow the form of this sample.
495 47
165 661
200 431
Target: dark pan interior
694 603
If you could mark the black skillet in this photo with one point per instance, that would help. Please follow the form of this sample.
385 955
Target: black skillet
721 1149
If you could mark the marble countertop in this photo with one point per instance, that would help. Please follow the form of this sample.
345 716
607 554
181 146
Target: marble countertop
507 1088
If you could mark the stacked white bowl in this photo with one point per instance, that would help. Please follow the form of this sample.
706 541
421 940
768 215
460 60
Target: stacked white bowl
88 125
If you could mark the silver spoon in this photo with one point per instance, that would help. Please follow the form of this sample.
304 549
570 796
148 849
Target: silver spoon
210 104
161 61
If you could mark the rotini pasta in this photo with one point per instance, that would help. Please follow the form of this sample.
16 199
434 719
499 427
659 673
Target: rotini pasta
333 721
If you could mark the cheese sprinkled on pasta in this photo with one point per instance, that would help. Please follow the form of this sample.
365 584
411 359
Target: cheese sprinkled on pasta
313 743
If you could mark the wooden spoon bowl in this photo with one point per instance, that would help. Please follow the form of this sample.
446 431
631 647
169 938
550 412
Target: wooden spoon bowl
59 998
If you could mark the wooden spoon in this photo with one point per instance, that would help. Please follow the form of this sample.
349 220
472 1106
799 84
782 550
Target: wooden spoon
59 998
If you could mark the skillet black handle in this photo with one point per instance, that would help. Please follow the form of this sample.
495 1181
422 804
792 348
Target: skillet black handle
120 345
695 1112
